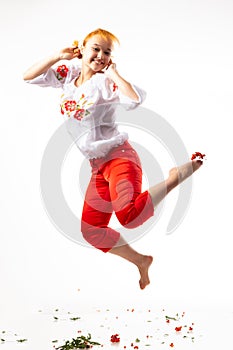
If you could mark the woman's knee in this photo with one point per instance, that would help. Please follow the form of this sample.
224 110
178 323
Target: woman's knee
103 238
87 230
137 212
129 218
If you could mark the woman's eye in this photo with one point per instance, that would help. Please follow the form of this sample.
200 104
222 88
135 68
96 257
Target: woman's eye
97 49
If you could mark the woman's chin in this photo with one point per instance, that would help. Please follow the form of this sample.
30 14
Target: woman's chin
97 67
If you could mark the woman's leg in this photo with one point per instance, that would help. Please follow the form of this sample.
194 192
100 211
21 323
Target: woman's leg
97 211
141 261
131 206
157 194
98 208
176 176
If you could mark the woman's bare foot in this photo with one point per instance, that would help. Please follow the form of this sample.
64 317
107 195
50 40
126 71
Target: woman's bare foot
142 261
179 174
143 268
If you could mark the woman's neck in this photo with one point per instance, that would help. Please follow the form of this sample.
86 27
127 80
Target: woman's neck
84 75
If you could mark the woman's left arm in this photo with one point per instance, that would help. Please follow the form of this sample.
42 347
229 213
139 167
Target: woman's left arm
124 86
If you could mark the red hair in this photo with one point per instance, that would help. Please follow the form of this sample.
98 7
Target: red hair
103 33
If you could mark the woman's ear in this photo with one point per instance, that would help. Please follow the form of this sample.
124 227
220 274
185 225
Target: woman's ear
81 48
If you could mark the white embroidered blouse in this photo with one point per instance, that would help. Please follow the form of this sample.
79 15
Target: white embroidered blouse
89 108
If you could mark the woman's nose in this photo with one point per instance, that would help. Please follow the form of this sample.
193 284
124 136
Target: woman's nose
100 54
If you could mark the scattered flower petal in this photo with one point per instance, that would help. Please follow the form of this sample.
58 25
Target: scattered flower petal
115 338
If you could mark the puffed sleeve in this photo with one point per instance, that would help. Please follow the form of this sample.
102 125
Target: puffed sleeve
111 92
57 76
128 102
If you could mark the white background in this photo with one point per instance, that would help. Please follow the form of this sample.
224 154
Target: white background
181 53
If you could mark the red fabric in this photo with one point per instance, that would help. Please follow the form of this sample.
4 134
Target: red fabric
115 185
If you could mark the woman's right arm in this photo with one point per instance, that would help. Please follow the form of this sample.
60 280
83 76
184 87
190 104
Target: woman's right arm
42 66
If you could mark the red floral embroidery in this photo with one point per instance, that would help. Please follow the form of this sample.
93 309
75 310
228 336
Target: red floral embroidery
172 345
178 329
77 109
79 114
115 338
115 87
70 105
62 72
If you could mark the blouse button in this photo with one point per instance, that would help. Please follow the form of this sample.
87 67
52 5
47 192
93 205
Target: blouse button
123 150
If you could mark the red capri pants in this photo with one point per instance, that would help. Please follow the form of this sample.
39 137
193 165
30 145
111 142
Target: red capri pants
115 185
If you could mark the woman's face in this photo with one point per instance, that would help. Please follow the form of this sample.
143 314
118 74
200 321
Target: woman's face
97 53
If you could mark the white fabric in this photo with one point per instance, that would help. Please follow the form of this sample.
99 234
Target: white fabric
90 109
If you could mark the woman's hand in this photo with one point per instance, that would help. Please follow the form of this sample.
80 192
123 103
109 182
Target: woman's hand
124 86
38 68
69 53
110 70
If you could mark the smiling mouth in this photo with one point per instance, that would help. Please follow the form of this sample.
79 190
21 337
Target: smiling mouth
98 62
